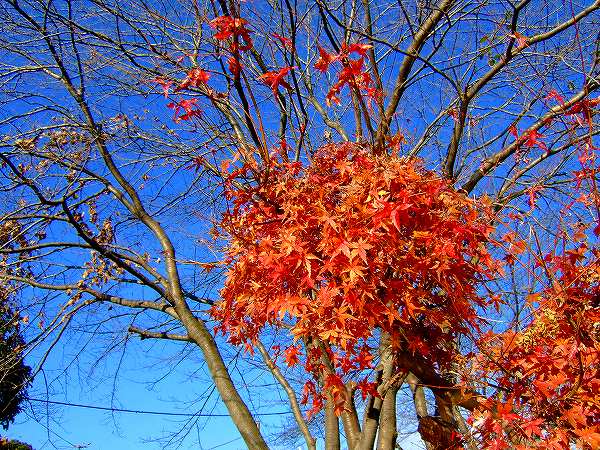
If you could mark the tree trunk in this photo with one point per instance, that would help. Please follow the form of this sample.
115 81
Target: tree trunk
386 439
332 425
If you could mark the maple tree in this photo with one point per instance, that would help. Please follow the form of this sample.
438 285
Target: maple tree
380 203
352 246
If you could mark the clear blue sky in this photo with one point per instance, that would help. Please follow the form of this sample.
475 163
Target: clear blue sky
63 427
175 391
152 376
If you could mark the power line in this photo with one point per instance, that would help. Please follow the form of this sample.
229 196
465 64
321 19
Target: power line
224 443
138 411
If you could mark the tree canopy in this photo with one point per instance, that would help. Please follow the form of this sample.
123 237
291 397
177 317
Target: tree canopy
14 374
381 203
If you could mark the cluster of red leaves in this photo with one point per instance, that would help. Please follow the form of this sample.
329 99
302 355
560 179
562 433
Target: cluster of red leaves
548 375
353 245
529 139
579 114
285 42
233 31
164 84
236 35
582 111
352 74
233 28
275 79
196 77
184 109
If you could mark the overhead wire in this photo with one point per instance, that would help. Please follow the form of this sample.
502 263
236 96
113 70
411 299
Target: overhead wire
139 411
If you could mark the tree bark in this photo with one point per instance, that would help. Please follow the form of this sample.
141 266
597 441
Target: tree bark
332 425
350 421
372 418
420 404
386 439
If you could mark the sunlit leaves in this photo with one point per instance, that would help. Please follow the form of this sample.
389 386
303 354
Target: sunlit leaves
184 109
276 79
235 35
352 74
351 246
234 29
196 77
325 59
547 373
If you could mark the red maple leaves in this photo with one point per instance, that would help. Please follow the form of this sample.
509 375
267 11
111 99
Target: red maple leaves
164 84
583 111
275 79
530 138
547 374
355 76
578 114
292 354
187 106
196 77
233 28
285 42
235 34
325 59
352 74
349 246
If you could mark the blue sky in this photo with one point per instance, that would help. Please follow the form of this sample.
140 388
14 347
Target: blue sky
154 376
136 388
158 376
64 427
